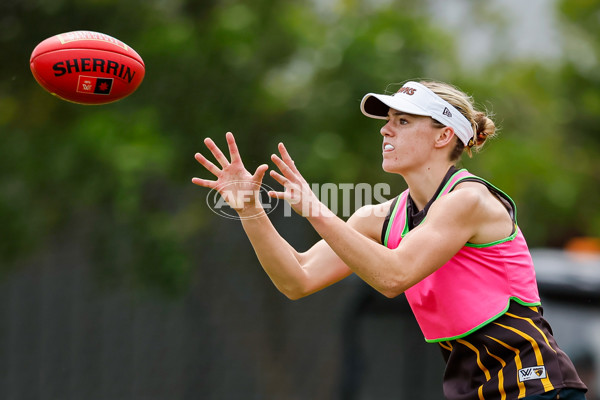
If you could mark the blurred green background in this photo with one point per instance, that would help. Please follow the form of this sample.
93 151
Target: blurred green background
100 196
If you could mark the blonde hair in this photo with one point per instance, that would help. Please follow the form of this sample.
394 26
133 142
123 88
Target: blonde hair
483 126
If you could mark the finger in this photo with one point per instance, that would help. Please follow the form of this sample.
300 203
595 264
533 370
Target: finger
212 168
279 178
204 183
233 149
283 167
216 152
287 196
285 156
276 195
259 174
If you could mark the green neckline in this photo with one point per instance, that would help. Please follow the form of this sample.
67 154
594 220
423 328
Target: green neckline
449 182
391 220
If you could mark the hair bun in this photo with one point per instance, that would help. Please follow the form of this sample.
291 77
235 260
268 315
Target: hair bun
485 129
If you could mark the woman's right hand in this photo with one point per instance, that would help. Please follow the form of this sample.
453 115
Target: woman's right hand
239 188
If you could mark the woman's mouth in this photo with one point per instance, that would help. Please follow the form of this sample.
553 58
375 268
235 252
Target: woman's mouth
387 147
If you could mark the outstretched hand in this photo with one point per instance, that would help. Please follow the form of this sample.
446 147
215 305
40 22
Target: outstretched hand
234 182
297 192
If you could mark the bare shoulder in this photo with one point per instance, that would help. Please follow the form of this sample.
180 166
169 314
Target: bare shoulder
473 205
369 219
477 195
466 196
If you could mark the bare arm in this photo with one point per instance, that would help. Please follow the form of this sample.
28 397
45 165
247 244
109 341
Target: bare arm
300 274
453 220
420 253
294 274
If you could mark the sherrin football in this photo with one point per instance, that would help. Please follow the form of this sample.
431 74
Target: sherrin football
87 67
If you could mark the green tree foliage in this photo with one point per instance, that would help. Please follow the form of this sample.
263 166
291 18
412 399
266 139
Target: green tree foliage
270 71
547 154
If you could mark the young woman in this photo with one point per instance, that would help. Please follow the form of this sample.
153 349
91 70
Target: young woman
450 242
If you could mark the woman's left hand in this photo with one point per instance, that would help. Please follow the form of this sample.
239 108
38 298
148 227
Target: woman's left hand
297 192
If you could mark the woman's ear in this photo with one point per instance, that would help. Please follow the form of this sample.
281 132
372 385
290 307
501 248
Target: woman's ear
444 137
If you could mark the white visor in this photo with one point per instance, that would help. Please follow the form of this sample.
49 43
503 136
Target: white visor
414 98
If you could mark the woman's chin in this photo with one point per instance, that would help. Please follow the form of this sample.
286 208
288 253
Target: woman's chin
387 166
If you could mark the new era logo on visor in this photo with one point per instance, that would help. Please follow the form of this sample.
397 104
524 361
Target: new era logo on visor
447 112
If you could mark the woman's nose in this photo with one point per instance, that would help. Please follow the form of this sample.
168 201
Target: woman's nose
385 131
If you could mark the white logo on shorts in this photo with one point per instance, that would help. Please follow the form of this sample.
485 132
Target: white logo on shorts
527 374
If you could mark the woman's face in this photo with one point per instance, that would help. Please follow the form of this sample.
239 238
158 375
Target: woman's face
408 141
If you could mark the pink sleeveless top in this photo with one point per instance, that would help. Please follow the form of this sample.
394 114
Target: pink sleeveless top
476 285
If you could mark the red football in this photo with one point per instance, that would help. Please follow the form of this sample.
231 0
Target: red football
87 67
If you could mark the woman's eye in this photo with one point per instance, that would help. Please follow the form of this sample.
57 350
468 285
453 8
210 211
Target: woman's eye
403 121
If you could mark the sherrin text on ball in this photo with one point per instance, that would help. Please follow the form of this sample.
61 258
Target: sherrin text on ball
87 67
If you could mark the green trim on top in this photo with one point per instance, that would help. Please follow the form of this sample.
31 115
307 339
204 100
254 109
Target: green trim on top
405 230
516 299
506 239
512 202
450 181
391 221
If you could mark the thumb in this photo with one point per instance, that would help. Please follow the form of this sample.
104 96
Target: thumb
259 174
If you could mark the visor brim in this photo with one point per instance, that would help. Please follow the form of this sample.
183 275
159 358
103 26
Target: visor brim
377 106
